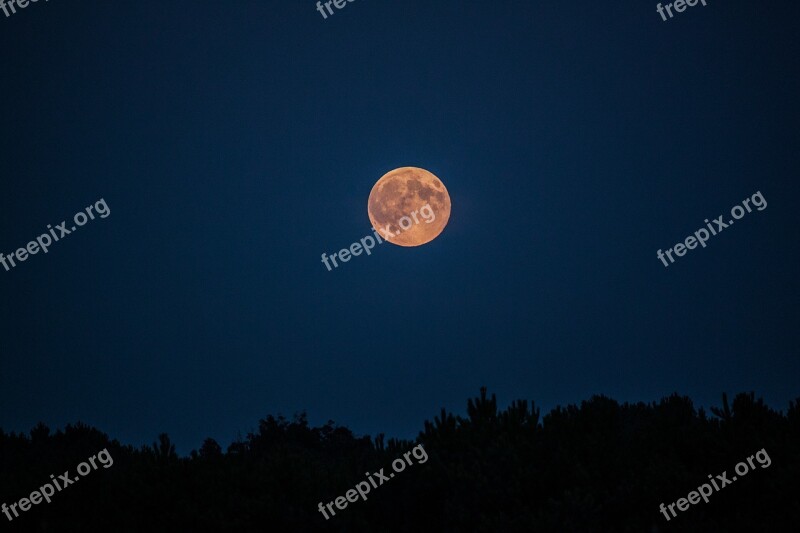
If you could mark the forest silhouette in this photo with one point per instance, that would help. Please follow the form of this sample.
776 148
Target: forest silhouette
600 466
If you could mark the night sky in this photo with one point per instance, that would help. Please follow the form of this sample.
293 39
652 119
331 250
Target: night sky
235 142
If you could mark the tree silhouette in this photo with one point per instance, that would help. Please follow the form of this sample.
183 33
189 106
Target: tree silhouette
598 466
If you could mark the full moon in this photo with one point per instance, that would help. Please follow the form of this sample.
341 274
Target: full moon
409 206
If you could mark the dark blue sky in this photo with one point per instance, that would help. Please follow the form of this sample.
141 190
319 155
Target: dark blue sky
235 142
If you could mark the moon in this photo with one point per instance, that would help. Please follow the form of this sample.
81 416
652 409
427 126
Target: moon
409 206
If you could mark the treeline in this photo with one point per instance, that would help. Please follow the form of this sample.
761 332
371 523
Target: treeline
597 467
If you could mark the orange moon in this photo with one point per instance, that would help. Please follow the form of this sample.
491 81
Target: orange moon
411 204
